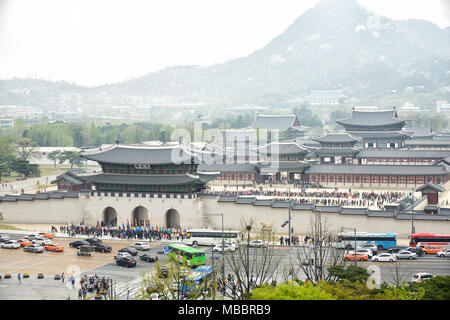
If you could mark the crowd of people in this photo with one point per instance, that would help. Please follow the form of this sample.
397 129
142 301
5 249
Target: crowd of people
141 232
323 197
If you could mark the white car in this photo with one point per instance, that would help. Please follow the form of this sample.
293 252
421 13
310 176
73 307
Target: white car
34 237
122 255
367 252
141 246
3 238
384 257
257 244
218 248
419 277
10 244
370 246
444 253
41 242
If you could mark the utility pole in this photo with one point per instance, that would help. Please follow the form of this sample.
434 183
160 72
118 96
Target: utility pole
223 245
412 212
289 217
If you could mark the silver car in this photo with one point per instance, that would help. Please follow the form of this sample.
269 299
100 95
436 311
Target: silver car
34 248
444 253
404 254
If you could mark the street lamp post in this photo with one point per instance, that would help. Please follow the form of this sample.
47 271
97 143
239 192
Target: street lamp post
223 245
412 212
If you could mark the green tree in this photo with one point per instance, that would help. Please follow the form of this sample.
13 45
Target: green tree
54 156
291 291
437 288
351 273
25 148
24 167
73 157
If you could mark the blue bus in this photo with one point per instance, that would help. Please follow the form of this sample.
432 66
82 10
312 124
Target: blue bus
381 240
197 280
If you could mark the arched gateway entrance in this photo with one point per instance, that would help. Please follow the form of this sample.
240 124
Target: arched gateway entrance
109 216
172 219
139 216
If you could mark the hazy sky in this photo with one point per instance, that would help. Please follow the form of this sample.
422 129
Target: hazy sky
98 41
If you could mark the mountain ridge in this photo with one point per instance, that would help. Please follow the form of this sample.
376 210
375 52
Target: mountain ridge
334 45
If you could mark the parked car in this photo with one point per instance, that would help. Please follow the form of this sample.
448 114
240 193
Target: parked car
41 242
3 238
10 244
93 241
417 250
24 242
432 249
142 246
126 262
218 248
443 253
367 252
55 247
370 246
33 237
148 257
78 243
421 276
47 235
404 254
257 244
85 250
121 255
130 250
102 247
359 257
384 257
397 249
35 248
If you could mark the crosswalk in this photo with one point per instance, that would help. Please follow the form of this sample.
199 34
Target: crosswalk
130 289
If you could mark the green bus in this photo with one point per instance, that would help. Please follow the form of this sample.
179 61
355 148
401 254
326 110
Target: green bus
187 255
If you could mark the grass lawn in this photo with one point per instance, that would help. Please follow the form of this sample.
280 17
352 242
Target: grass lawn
8 227
50 170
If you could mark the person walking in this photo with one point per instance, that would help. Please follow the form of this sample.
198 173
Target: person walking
62 277
19 277
73 281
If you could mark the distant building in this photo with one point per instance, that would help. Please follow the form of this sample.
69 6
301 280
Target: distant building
325 97
283 123
377 129
6 123
442 106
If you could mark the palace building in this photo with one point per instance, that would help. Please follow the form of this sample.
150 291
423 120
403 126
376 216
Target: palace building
160 169
377 129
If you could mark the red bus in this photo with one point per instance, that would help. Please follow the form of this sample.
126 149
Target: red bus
429 239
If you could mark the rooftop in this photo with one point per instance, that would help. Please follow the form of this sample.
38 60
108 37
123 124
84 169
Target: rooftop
280 122
372 118
336 138
128 154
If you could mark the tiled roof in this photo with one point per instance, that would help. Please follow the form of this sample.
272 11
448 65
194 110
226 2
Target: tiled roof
372 118
140 179
122 154
280 122
282 148
377 169
336 138
402 153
